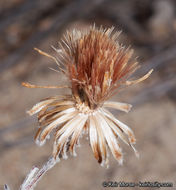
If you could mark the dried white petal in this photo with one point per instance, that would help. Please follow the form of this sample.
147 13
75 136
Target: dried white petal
122 126
69 113
93 138
67 130
39 106
110 138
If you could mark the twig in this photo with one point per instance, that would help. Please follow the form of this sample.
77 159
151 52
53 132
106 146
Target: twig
6 187
35 175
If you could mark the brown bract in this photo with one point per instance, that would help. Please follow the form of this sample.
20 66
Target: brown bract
96 66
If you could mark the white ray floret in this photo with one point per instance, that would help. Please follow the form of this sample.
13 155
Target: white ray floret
67 114
110 138
121 125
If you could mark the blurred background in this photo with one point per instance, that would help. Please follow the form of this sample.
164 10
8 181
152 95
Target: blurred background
149 27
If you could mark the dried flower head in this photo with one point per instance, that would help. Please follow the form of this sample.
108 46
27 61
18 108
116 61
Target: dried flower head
96 66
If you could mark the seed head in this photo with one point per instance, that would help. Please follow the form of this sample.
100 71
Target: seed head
96 66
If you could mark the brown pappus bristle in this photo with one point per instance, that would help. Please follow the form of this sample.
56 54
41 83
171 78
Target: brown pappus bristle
96 64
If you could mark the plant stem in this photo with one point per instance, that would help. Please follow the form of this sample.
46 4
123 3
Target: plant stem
35 175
